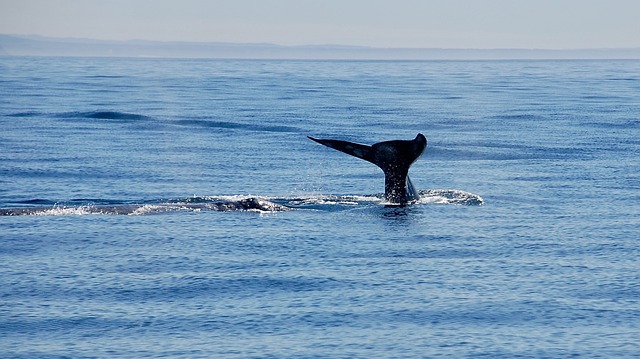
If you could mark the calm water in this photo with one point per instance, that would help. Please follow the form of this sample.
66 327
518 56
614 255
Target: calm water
128 237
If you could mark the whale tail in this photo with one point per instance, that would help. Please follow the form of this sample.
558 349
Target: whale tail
393 157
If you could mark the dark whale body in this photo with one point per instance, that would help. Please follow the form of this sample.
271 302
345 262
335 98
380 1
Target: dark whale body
246 204
393 157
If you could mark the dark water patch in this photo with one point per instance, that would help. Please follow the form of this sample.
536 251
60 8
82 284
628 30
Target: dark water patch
599 97
541 152
518 117
621 124
508 152
194 286
448 252
33 172
25 114
614 291
104 115
238 126
105 77
26 325
623 79
33 202
465 155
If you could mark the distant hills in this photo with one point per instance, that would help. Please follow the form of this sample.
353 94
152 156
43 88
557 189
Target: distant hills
17 45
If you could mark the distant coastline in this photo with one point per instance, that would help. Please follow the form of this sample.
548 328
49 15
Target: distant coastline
22 45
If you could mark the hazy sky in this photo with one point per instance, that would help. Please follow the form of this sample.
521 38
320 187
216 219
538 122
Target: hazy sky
550 24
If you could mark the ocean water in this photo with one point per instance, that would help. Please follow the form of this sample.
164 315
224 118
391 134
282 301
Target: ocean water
175 208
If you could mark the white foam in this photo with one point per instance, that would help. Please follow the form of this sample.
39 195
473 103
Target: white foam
332 200
64 211
146 209
450 196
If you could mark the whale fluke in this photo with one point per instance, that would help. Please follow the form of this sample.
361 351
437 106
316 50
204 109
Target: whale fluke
393 157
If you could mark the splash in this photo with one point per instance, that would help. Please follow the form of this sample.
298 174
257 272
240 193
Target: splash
450 196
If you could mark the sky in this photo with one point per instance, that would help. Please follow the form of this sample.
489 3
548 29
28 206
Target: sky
479 24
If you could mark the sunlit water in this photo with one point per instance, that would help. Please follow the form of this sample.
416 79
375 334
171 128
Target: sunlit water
176 208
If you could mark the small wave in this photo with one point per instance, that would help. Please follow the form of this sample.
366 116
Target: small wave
517 117
105 115
238 126
97 115
105 77
625 124
25 114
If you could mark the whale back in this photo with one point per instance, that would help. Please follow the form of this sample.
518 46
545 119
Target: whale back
393 157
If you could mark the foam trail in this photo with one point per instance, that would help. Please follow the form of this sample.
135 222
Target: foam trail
450 196
232 204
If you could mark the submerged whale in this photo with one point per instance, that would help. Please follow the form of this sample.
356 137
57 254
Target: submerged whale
196 204
393 157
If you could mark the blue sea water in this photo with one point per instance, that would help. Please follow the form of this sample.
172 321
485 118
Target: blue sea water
175 208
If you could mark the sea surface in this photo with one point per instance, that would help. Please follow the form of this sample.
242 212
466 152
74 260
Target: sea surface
172 208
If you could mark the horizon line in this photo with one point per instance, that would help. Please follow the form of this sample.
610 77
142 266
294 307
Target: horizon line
311 45
39 45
